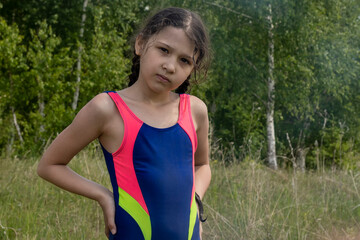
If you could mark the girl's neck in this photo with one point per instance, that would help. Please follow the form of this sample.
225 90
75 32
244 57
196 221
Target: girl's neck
140 93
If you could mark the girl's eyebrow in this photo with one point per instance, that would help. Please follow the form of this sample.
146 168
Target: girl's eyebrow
168 46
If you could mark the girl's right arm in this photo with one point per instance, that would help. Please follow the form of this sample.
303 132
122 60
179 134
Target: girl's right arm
88 125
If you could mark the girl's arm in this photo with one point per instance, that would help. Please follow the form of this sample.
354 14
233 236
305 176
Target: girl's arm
88 125
202 167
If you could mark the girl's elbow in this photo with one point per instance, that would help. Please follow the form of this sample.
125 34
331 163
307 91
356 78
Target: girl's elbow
41 169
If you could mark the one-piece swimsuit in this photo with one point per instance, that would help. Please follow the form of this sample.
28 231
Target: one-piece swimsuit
153 177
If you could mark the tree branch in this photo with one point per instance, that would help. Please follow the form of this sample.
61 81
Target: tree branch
227 9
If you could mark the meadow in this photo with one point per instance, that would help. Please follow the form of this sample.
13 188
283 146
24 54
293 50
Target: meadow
246 200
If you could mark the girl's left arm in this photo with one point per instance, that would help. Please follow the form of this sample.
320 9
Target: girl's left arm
202 167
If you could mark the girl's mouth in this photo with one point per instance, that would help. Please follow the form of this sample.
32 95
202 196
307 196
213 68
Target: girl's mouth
163 78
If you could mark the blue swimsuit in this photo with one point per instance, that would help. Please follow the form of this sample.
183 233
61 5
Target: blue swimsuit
153 176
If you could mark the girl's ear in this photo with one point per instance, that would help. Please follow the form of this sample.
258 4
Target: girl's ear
139 45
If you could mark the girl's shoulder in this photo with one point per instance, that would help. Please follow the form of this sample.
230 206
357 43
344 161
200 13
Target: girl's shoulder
102 102
198 108
101 106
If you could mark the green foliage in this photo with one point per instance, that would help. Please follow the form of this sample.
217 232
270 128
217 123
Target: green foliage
317 64
105 65
13 66
316 73
38 72
46 79
317 81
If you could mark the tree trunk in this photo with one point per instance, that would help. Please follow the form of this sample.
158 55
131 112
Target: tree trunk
300 158
17 127
10 144
271 153
41 104
41 110
317 155
78 65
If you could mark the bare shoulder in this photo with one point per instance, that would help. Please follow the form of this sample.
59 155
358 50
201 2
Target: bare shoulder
101 104
88 125
96 113
198 108
199 113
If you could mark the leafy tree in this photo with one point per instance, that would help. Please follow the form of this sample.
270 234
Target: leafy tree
12 65
316 68
105 64
316 73
47 78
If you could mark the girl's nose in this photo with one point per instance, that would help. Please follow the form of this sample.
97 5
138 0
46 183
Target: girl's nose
169 66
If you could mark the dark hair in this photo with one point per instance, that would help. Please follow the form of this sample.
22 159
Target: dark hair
194 28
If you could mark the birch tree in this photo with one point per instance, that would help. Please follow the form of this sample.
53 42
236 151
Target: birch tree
105 66
78 64
317 81
49 67
12 64
270 126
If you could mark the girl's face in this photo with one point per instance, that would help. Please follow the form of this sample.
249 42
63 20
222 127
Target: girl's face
166 59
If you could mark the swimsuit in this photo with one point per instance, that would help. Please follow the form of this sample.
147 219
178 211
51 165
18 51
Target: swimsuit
153 176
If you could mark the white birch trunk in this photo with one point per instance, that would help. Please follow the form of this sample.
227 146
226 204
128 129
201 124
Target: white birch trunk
78 65
17 127
41 111
271 153
10 144
41 104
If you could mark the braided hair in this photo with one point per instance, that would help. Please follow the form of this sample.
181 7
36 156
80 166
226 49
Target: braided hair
194 28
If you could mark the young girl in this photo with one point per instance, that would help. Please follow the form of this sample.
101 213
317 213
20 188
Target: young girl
155 140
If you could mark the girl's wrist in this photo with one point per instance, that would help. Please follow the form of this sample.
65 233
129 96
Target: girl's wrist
102 195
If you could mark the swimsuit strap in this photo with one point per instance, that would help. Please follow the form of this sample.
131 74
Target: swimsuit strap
131 120
124 110
186 120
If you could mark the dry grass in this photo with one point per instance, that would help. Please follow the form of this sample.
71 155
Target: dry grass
250 201
245 201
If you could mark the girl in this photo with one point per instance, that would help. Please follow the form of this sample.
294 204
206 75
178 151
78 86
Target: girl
154 140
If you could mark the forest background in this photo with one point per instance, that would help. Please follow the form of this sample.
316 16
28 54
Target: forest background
283 91
56 55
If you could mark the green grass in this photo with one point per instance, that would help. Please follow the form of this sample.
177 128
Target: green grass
244 201
249 201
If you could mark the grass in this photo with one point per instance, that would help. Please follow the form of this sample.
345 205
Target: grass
249 201
245 201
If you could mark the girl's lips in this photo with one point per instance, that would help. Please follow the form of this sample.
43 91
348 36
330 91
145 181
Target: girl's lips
163 78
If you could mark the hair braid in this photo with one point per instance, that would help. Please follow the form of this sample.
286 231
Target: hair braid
184 86
135 69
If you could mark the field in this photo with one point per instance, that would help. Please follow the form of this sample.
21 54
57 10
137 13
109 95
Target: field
245 201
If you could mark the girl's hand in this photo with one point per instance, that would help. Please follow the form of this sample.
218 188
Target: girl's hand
108 206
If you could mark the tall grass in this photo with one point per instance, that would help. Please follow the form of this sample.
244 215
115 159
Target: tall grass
250 201
245 201
32 208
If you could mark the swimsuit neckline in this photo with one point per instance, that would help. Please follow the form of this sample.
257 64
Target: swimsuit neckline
148 125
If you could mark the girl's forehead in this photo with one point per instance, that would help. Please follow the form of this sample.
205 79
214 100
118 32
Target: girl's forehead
176 39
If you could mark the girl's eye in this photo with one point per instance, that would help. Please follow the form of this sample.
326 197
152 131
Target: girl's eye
164 50
184 60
